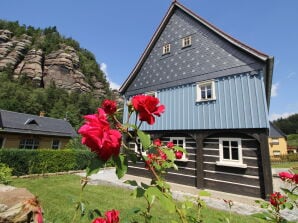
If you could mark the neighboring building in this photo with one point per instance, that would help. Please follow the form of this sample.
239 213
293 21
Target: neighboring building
25 131
216 91
277 141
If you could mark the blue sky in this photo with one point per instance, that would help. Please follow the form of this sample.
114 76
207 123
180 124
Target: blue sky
117 32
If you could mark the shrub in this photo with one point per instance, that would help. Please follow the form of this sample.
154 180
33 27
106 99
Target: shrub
44 161
5 174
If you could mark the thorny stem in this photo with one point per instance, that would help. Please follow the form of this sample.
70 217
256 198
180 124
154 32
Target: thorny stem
84 182
181 216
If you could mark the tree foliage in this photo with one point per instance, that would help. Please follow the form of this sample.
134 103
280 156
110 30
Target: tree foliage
22 96
288 125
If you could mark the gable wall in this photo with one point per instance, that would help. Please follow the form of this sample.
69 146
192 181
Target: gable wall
209 56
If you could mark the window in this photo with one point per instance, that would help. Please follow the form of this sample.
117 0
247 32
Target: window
186 41
166 48
206 91
56 144
275 141
230 152
1 142
137 146
152 93
276 153
179 141
29 144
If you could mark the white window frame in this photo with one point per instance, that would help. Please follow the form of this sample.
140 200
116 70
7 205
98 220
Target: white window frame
136 147
59 144
151 93
186 41
276 153
275 141
230 162
166 48
201 86
184 158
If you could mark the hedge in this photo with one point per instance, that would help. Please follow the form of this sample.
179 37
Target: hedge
24 161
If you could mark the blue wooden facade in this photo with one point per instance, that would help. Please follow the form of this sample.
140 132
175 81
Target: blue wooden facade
237 113
240 103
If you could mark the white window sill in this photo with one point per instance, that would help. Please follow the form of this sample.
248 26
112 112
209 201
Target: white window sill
205 100
181 160
231 164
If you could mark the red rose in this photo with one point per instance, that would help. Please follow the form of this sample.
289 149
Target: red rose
295 178
157 142
277 199
162 155
147 106
112 216
98 136
99 220
285 175
109 106
170 145
178 155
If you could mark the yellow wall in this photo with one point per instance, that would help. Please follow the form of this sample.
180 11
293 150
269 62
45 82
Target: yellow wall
45 142
277 144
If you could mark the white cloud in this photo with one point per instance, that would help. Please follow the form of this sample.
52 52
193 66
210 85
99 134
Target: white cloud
113 85
274 89
275 116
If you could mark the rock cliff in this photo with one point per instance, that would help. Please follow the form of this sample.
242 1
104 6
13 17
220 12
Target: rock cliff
61 66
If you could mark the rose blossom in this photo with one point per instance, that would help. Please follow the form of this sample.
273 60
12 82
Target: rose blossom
277 199
147 106
109 106
285 175
295 178
99 220
170 145
178 155
112 216
157 142
98 136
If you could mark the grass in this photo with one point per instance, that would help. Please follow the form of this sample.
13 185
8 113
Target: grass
58 194
291 165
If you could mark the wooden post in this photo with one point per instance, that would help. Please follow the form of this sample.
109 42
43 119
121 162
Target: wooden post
199 162
266 165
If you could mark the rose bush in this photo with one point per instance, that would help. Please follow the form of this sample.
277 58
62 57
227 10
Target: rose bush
278 202
103 134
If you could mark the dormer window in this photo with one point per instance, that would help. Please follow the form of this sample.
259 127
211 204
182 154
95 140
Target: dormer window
166 48
31 121
186 41
152 93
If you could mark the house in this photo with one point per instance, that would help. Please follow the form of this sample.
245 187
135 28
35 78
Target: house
216 91
25 131
277 141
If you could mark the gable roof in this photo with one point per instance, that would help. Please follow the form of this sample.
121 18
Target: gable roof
275 132
243 47
14 122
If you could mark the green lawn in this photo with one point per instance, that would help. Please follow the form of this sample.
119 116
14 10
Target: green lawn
57 194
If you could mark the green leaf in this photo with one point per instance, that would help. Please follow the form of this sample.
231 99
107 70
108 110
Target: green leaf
165 201
121 163
95 165
138 192
131 182
144 138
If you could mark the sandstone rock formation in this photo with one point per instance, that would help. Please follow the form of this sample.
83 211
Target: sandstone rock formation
61 66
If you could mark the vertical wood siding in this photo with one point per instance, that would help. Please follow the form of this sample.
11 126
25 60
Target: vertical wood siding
240 103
